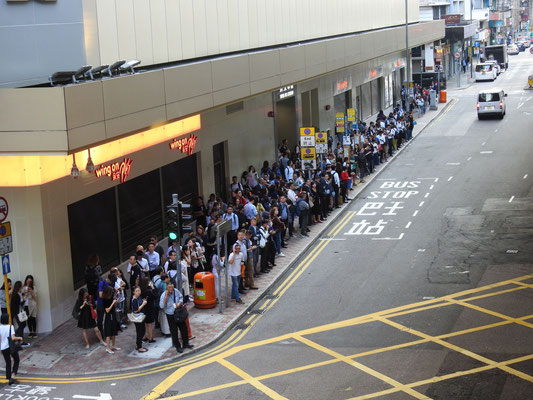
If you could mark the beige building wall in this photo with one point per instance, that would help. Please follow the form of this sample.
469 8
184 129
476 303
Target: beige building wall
160 31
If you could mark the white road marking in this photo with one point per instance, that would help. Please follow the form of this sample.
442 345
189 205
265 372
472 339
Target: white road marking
408 225
421 250
496 130
512 251
415 213
450 178
484 143
486 152
520 105
511 199
469 158
428 298
434 179
421 204
453 163
409 164
525 176
431 187
389 238
426 195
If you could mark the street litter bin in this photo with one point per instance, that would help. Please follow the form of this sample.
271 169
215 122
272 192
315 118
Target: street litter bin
204 290
442 97
432 99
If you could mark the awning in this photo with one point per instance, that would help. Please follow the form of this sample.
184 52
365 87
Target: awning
460 32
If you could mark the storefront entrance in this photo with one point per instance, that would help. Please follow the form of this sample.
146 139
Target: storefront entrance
113 222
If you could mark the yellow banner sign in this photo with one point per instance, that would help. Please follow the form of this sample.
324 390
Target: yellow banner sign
350 112
308 153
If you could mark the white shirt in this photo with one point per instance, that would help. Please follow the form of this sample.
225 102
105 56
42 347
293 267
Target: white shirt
235 266
291 195
4 333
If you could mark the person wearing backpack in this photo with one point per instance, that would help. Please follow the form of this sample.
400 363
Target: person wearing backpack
156 280
93 273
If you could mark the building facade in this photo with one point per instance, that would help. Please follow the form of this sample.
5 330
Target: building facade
220 85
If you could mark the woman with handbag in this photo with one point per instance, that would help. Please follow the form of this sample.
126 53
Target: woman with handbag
10 348
87 317
17 312
109 300
30 304
137 305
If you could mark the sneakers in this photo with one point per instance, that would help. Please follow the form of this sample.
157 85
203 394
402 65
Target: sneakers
240 301
25 344
281 254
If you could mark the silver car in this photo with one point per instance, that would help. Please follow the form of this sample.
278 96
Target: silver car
491 102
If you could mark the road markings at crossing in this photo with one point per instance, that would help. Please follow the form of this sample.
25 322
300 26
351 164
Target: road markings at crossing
485 152
453 163
450 178
484 143
511 199
415 213
469 158
408 225
525 176
421 204
426 195
431 187
389 238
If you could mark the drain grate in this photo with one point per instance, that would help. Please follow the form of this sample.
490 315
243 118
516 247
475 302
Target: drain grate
257 312
169 393
270 297
240 327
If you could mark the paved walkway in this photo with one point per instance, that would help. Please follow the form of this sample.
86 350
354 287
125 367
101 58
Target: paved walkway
62 352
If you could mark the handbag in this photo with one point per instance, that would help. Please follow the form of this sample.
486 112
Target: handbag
22 316
93 312
14 345
136 317
180 313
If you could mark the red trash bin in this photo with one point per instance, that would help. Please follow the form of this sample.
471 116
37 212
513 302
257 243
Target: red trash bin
442 97
204 290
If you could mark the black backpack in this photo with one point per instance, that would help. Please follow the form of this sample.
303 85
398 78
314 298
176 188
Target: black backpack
91 275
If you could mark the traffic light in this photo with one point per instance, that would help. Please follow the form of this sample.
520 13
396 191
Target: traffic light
176 219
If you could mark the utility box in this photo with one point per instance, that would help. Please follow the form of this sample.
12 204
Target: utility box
204 290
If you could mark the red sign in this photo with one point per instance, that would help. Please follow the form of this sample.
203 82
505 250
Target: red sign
374 73
342 85
4 208
186 145
116 171
451 19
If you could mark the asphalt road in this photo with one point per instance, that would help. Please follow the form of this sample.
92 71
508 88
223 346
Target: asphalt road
394 302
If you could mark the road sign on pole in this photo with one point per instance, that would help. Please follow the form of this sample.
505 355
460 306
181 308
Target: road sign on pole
6 241
6 266
4 208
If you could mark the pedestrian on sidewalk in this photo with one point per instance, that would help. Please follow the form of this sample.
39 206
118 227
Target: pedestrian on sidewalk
235 262
169 302
16 304
303 207
3 303
137 306
30 304
93 274
7 330
109 281
84 309
149 311
109 301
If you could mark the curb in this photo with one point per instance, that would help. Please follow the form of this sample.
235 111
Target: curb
281 275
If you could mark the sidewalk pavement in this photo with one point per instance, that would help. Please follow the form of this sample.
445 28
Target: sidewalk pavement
62 352
466 81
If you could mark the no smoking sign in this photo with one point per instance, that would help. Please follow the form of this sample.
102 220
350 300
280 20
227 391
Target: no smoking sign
4 208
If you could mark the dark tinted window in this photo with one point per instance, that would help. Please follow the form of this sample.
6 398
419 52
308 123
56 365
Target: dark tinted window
140 211
93 230
484 97
483 67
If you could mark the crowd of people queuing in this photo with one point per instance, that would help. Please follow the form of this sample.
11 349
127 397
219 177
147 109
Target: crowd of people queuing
264 207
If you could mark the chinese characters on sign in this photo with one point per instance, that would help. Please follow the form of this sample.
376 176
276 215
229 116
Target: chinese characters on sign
116 171
185 145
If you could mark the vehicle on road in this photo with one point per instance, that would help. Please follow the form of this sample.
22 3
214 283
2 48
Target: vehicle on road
491 103
495 65
513 50
525 41
497 52
485 72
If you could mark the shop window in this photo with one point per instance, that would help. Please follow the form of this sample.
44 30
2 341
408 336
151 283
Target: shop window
180 177
93 230
366 109
140 211
376 98
219 168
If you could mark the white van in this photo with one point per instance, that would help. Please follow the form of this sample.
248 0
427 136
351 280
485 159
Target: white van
491 102
485 72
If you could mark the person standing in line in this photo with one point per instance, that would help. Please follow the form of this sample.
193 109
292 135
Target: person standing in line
153 259
7 330
149 309
169 302
86 321
137 305
16 304
93 274
303 206
3 303
109 281
235 262
109 301
30 304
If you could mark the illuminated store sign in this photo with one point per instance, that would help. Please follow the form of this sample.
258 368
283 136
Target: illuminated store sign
116 171
185 145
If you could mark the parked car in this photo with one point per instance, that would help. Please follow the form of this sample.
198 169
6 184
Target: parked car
525 41
491 102
512 50
485 72
495 65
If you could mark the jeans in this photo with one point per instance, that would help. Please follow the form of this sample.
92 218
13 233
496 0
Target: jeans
277 241
32 321
235 288
7 356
